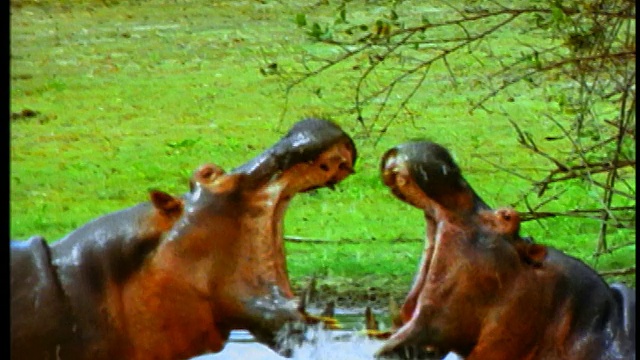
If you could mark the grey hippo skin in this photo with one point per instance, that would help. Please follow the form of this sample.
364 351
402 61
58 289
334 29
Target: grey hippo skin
39 308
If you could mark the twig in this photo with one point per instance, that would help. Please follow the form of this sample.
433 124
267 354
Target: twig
552 66
527 216
615 272
303 240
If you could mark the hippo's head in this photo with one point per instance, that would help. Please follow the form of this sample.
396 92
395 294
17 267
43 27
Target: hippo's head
229 241
471 251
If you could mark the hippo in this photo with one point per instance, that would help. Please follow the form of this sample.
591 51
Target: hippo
170 278
483 291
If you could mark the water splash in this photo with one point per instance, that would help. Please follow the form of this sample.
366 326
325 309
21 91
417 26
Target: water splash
332 345
317 344
314 344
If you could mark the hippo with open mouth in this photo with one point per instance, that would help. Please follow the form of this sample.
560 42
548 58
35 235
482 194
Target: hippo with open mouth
170 278
483 291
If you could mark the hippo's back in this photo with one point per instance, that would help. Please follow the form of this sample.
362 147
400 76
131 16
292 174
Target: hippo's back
39 310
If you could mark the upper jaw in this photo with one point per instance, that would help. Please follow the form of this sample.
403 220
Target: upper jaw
307 142
396 175
424 175
328 169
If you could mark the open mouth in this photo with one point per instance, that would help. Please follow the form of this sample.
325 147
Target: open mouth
424 175
313 154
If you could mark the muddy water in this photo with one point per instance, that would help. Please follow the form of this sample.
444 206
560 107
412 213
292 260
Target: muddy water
346 344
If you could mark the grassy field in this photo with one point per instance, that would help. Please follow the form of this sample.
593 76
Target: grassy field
130 96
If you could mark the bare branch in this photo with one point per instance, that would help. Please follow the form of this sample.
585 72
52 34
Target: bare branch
617 272
588 213
585 68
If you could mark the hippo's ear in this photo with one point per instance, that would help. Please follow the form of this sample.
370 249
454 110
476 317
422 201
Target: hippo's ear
205 174
532 254
165 202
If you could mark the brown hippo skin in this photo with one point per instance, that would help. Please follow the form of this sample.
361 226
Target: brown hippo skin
483 291
171 278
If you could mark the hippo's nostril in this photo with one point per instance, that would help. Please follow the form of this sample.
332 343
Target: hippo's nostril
324 167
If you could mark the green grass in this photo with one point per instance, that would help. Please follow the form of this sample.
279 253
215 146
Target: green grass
135 95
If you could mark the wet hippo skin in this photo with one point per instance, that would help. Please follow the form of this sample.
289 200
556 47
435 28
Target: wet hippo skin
39 308
171 277
485 292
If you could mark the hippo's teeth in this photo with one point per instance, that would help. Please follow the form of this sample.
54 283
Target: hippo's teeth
329 310
370 319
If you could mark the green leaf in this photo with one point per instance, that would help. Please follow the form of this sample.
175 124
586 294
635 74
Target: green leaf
301 20
425 20
315 31
557 14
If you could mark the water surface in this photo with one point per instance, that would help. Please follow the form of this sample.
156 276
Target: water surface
347 344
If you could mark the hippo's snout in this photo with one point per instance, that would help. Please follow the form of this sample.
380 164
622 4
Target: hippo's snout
395 171
396 175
